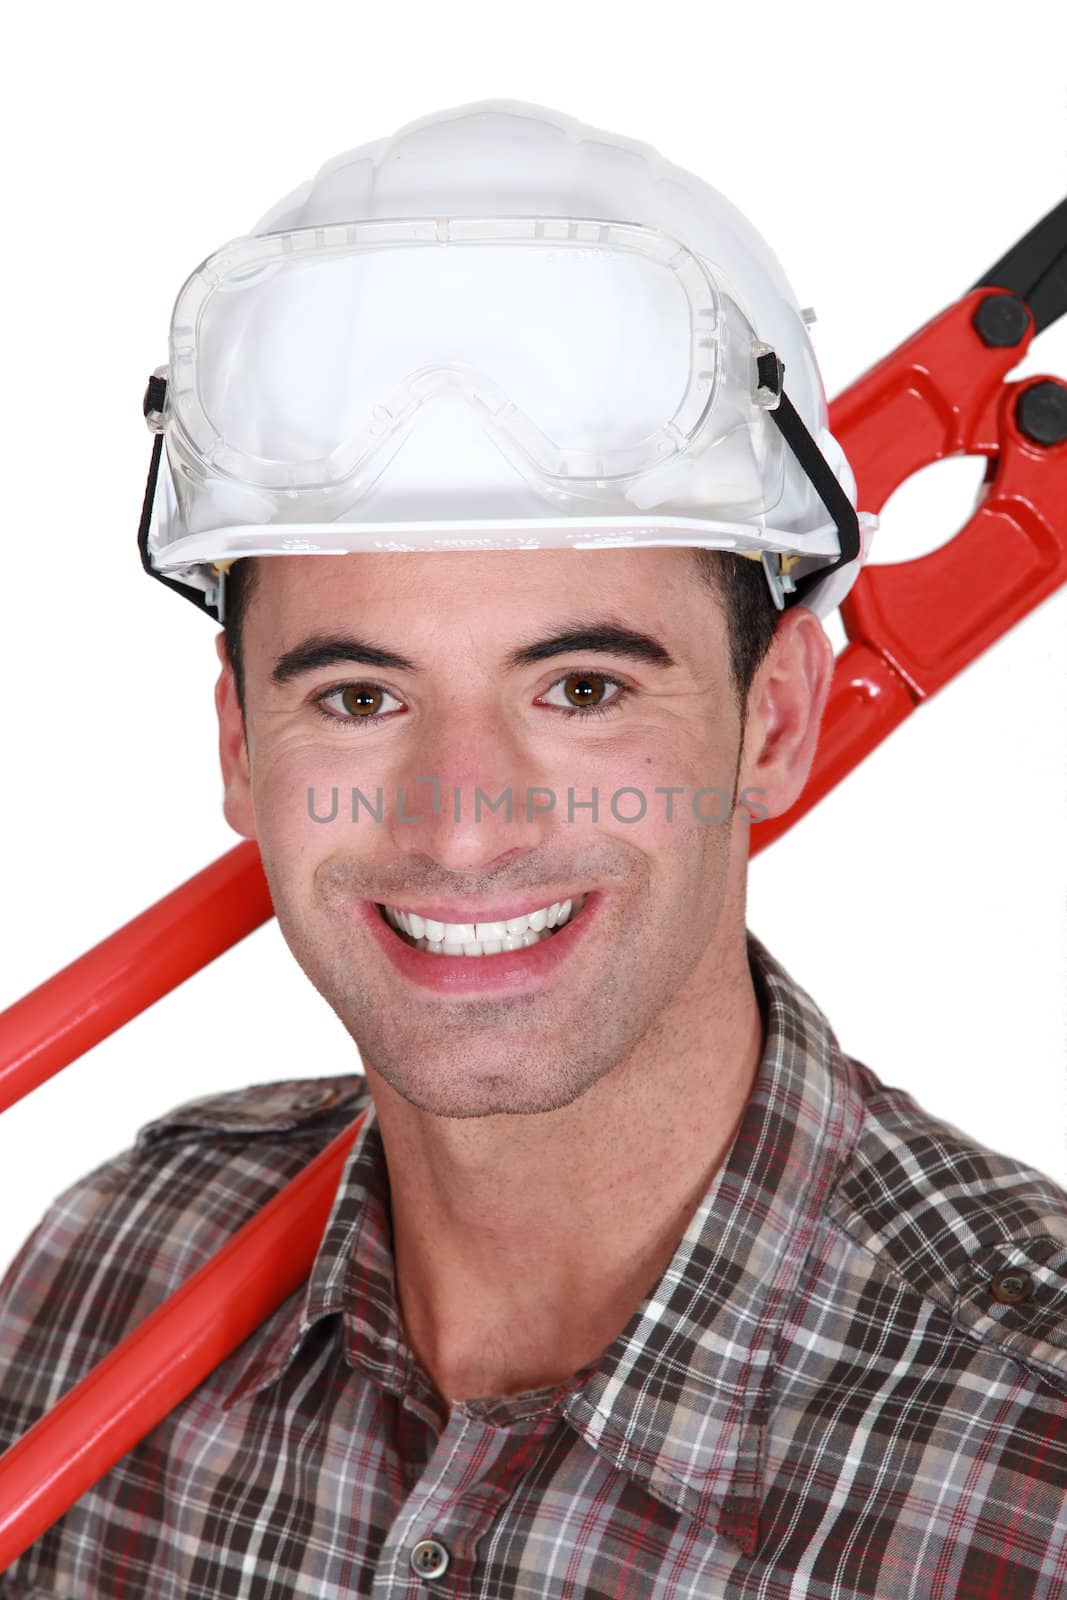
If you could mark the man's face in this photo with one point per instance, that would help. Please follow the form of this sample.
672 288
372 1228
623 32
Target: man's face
527 1030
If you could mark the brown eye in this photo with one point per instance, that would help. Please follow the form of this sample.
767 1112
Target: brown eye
584 689
357 705
361 699
584 694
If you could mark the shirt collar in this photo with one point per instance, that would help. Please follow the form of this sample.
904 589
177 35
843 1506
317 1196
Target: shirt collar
353 1274
680 1399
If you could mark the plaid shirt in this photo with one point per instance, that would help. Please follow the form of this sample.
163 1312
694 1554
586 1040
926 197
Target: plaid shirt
850 1381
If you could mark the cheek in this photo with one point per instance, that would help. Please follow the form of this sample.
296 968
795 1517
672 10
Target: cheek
665 798
652 778
302 793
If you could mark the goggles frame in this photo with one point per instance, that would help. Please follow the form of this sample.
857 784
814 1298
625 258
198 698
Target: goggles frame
251 263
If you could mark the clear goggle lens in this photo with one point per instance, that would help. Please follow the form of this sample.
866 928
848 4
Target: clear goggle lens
595 352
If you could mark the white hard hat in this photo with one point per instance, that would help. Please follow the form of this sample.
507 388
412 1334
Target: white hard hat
498 329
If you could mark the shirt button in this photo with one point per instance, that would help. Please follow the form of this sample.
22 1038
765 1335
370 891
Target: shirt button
1012 1286
429 1558
314 1099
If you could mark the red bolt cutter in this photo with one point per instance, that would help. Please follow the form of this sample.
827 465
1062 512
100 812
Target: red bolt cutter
911 627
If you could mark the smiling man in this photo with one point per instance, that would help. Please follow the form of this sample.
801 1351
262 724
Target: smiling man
501 454
552 1111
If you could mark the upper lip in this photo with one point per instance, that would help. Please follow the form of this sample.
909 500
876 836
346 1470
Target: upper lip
459 913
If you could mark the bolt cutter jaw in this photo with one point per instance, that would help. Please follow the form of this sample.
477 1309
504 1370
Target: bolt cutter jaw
913 625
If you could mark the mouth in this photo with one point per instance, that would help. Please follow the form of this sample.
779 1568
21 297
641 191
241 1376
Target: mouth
487 938
515 952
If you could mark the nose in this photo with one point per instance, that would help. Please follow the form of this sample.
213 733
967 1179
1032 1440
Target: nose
471 797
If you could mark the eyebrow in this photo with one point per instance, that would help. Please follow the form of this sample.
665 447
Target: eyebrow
602 638
327 649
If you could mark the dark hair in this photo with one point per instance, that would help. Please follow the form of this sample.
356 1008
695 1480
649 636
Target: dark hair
241 582
739 585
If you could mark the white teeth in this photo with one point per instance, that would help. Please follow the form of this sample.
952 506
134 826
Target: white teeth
492 947
482 938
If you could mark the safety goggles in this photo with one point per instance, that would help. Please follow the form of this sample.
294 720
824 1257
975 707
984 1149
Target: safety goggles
385 376
595 349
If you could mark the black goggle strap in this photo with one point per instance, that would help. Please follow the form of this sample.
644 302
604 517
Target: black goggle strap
791 591
154 397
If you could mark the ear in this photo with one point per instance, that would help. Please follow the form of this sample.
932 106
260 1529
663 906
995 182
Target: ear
233 749
785 706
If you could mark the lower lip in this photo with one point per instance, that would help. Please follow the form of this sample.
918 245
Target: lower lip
508 970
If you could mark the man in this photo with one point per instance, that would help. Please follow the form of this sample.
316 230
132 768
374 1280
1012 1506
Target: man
634 1284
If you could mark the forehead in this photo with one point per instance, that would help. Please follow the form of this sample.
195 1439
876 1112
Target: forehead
438 592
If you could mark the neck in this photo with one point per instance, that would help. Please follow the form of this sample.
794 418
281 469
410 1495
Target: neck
524 1244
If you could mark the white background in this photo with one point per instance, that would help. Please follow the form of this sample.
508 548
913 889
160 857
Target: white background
888 156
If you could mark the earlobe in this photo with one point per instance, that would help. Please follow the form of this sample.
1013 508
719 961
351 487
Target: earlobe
233 749
786 705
